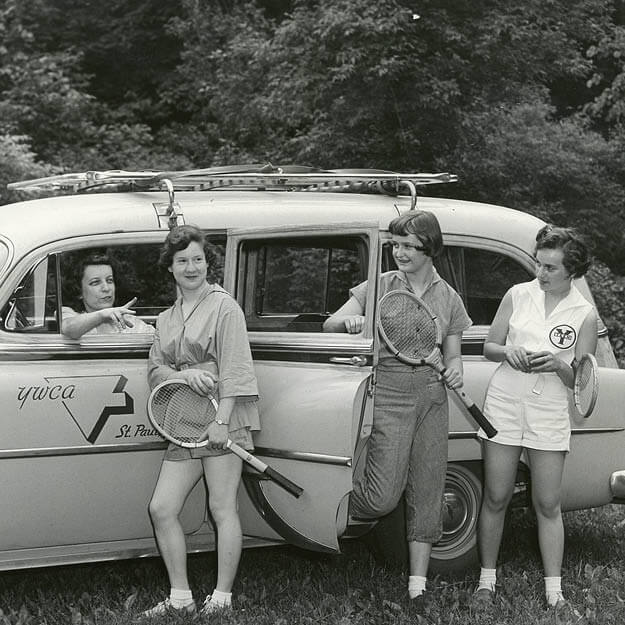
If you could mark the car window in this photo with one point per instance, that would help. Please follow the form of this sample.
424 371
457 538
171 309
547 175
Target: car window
487 277
32 307
137 274
481 277
54 283
293 284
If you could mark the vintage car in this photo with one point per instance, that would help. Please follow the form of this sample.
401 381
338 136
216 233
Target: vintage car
78 456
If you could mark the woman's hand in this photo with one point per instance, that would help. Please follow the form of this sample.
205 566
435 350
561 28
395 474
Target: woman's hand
120 316
354 324
518 358
545 362
216 434
452 378
202 382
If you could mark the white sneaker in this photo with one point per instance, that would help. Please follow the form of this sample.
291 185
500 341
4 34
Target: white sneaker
210 607
166 607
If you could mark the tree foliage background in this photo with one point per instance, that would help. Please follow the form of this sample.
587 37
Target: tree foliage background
524 101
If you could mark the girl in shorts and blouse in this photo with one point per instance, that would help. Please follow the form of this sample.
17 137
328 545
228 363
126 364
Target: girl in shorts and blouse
539 331
202 339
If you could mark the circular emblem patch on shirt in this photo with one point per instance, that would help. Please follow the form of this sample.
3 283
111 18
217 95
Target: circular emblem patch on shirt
562 336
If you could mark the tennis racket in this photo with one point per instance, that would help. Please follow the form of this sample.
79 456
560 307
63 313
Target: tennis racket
586 385
180 415
412 333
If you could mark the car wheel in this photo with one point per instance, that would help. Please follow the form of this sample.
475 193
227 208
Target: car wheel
457 549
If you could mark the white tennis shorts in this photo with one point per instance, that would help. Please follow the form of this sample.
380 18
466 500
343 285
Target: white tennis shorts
528 410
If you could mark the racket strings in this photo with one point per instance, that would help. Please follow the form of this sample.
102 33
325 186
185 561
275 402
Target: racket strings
182 413
584 376
585 386
408 327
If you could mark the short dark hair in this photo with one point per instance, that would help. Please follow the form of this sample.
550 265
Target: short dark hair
74 265
576 256
424 225
93 258
179 238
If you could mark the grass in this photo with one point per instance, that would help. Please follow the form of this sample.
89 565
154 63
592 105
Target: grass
288 586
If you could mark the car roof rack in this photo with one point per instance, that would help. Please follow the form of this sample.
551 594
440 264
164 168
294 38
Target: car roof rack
254 176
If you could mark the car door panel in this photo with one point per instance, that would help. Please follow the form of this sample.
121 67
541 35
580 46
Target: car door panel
597 445
78 450
311 402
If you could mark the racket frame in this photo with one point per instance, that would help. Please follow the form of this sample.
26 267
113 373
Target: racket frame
162 431
433 359
586 362
245 455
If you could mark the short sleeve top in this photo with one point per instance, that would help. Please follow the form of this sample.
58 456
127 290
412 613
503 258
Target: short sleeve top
439 296
213 336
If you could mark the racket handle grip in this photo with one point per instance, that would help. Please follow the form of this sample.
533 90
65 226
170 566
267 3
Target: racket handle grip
285 482
482 421
261 467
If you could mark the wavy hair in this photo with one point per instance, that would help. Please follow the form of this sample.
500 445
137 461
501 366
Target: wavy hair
576 256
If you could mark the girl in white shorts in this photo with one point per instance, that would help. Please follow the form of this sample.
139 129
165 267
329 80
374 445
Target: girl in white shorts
539 330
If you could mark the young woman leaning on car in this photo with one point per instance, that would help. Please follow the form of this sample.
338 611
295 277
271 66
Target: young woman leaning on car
407 449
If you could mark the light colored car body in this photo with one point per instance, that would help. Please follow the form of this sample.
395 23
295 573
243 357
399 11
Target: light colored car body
78 457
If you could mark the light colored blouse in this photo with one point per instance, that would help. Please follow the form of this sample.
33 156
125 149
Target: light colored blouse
213 336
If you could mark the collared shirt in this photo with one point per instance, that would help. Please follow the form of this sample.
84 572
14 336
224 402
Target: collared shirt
213 336
557 332
439 297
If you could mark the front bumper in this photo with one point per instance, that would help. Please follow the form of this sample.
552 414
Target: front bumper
617 485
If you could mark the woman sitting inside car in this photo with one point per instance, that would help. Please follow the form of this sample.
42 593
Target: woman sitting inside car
99 315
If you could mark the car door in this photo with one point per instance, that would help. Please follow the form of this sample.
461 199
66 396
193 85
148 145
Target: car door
78 457
315 387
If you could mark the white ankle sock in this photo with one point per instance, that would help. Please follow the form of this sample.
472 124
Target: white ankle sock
180 598
553 590
488 579
221 598
416 585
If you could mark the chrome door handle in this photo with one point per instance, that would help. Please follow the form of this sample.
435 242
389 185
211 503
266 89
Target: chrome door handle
355 361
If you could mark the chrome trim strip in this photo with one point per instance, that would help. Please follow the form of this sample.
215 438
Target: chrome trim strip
270 452
304 456
458 436
42 452
310 341
574 432
606 430
36 348
45 452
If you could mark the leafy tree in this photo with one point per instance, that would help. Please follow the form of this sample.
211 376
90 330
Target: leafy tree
519 156
351 82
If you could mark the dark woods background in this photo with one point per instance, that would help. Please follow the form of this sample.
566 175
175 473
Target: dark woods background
523 100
